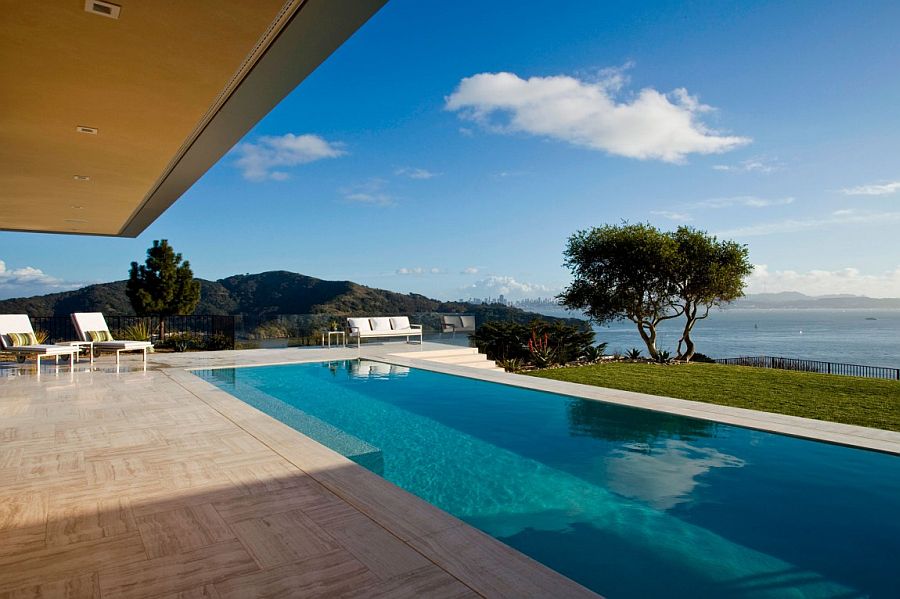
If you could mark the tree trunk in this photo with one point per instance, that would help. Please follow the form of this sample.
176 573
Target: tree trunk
690 314
649 337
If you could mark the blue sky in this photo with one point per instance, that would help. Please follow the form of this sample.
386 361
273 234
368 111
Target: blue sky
451 148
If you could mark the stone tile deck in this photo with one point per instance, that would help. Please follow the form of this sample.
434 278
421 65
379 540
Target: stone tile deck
156 484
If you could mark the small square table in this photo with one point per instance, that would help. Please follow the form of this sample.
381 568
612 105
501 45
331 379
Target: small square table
80 345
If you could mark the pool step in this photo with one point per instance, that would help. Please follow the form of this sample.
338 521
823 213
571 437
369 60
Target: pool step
463 356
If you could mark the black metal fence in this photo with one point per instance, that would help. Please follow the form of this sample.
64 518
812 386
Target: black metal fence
208 331
872 372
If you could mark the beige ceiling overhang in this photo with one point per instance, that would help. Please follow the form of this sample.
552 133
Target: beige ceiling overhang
168 86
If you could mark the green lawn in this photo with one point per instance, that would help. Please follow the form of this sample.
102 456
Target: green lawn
851 400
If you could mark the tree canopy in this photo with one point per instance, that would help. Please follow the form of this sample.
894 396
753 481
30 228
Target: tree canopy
164 285
639 273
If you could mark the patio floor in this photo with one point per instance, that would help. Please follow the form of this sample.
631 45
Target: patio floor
155 484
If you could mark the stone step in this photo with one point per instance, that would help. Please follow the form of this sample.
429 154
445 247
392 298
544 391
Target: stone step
460 359
440 353
484 364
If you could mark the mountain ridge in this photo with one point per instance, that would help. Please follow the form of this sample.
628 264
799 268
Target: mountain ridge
264 294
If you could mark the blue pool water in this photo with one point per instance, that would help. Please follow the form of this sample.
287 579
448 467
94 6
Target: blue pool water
628 502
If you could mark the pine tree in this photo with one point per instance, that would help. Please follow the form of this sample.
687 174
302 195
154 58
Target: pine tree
164 285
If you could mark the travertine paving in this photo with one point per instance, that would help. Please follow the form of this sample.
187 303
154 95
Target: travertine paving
155 484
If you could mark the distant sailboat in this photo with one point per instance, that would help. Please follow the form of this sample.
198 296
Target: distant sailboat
871 318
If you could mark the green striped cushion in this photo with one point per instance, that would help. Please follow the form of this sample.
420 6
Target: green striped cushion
99 336
20 339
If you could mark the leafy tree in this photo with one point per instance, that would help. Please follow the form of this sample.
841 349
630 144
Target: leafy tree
164 285
708 273
623 272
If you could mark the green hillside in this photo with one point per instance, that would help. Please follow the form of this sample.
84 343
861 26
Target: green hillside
265 294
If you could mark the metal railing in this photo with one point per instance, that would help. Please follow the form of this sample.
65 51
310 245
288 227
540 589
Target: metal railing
203 330
872 372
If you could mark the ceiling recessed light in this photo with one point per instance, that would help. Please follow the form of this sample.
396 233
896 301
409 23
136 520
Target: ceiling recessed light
104 9
88 130
81 177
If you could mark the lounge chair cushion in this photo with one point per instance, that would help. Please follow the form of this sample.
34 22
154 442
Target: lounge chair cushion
360 324
468 322
20 339
400 323
381 324
98 336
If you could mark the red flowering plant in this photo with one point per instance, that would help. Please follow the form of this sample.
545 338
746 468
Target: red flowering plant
542 354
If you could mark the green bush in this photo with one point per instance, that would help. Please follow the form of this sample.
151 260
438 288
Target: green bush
555 342
703 358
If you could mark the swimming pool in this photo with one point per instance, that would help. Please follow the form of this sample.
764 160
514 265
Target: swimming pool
628 502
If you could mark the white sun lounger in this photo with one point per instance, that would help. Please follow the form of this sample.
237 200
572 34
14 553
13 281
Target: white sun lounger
20 323
93 322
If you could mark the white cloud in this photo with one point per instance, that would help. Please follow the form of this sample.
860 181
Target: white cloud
837 218
418 270
471 270
258 161
371 192
878 189
753 165
649 125
415 173
825 282
676 216
509 287
748 201
27 281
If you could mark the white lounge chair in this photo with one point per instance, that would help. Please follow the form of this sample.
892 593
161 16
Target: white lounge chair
91 326
393 326
19 325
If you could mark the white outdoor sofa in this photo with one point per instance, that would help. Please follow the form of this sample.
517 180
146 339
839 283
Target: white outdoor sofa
91 326
385 326
20 324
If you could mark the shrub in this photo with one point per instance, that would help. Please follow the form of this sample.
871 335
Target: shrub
41 336
698 357
663 356
594 352
511 364
181 342
139 331
216 342
633 354
508 340
542 355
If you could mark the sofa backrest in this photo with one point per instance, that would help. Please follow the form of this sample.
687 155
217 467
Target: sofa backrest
400 323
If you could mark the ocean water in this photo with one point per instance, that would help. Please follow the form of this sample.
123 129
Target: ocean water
631 503
869 337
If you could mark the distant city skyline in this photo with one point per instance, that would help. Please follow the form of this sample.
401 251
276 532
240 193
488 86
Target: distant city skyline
450 150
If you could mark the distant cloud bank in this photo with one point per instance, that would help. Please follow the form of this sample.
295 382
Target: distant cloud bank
825 282
261 160
648 125
27 280
877 189
508 286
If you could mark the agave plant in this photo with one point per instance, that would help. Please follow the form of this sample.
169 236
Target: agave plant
139 331
592 353
663 356
511 364
633 354
542 355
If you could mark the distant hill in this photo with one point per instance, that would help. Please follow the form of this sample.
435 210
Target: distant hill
792 299
265 294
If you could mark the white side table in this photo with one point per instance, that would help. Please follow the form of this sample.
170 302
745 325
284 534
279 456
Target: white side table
80 345
341 334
